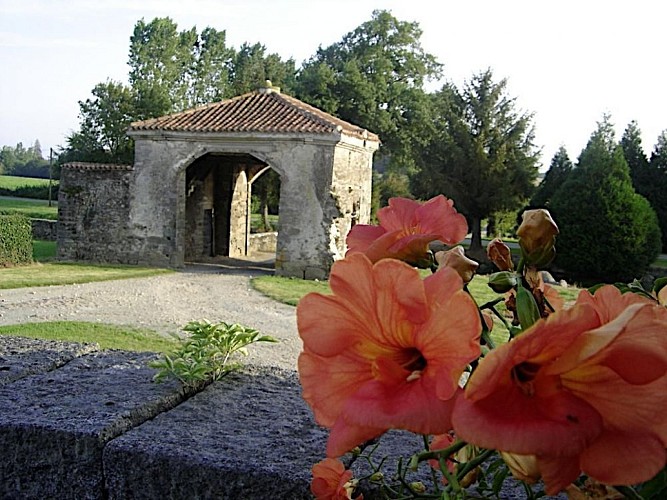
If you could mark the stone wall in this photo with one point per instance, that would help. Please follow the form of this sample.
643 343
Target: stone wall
263 243
44 229
93 213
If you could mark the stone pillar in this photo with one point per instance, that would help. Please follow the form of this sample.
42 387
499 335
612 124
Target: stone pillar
239 216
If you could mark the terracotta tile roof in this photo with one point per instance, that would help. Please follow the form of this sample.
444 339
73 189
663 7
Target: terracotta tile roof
261 111
79 165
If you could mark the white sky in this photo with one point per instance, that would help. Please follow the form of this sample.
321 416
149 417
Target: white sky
568 61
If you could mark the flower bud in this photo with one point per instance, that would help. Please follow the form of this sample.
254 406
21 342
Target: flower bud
500 255
526 308
522 467
466 454
418 487
537 237
456 259
377 476
502 281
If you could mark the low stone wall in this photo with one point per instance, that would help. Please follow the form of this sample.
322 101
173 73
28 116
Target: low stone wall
80 423
44 229
262 242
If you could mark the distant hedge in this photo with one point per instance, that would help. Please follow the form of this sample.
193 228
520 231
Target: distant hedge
35 192
15 240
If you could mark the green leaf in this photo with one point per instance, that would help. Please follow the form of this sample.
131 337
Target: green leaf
659 284
526 307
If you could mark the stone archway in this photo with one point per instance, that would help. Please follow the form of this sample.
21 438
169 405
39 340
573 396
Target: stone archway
325 168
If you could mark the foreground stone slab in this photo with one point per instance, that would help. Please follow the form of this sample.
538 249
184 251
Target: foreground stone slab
247 436
54 425
20 356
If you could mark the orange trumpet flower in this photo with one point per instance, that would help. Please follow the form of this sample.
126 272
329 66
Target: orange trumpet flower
385 351
406 229
583 390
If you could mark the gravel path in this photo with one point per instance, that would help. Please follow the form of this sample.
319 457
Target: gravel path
165 303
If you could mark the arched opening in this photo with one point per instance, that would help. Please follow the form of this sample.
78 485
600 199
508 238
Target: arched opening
265 210
218 207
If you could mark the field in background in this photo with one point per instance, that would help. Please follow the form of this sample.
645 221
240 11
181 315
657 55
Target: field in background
33 209
13 182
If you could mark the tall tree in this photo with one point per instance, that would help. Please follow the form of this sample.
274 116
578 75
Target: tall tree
559 169
208 76
169 71
160 58
607 231
252 67
482 153
656 185
104 120
374 78
37 150
631 142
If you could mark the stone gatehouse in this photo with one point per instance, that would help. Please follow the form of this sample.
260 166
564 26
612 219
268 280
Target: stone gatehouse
187 197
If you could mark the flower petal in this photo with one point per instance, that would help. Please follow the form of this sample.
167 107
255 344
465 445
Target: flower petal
439 217
623 405
608 301
623 458
326 325
398 215
410 405
510 421
327 382
345 436
545 341
558 472
361 236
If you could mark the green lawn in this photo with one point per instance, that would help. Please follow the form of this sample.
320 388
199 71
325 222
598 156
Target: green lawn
33 209
107 336
45 274
661 262
290 290
13 182
43 251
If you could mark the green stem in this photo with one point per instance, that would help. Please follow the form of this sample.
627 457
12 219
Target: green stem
427 455
491 303
475 462
487 339
522 264
500 317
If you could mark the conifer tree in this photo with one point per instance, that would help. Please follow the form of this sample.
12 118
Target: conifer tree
608 232
560 168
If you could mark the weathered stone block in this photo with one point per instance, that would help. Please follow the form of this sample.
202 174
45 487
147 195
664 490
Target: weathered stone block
54 425
44 229
250 436
20 356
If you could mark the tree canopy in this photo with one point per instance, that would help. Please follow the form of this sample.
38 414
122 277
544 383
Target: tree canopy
170 70
481 154
374 78
22 161
649 177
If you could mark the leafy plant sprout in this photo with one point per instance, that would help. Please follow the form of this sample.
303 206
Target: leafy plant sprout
206 355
